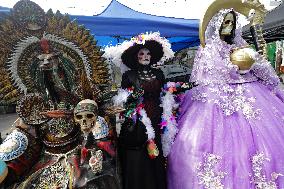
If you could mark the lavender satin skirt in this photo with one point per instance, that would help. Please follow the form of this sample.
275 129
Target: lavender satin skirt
216 151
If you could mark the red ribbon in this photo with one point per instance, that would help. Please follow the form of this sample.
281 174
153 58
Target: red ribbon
107 146
84 153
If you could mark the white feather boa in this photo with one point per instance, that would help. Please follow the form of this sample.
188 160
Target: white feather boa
169 105
148 124
121 98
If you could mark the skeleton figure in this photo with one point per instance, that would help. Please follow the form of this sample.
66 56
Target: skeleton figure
251 15
144 58
228 27
228 24
85 114
95 131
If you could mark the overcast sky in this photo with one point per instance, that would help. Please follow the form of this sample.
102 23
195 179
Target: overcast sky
190 9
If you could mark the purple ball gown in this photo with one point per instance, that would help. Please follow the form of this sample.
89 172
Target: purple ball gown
231 128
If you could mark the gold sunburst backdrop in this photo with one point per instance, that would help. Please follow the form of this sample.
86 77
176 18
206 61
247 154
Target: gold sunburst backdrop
20 34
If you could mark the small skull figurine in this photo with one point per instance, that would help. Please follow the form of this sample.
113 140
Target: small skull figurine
85 114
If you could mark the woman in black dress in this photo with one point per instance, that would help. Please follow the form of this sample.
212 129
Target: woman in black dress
143 166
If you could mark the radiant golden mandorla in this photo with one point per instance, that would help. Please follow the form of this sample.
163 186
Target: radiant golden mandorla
21 33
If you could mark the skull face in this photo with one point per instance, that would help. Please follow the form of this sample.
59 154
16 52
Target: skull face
86 120
47 62
251 15
85 114
144 56
228 24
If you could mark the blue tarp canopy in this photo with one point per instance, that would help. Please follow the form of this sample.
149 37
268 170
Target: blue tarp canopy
119 22
118 19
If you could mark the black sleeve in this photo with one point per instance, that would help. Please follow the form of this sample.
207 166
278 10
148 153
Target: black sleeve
125 82
160 75
163 79
130 79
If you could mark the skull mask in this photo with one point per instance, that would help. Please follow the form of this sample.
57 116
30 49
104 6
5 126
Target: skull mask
144 56
85 114
228 24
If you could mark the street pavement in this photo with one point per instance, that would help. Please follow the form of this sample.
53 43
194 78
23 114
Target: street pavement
6 122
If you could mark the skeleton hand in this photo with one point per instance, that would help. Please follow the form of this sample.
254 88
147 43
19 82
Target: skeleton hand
138 93
96 161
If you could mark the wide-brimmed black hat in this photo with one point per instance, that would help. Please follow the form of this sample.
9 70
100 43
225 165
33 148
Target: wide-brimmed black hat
129 56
